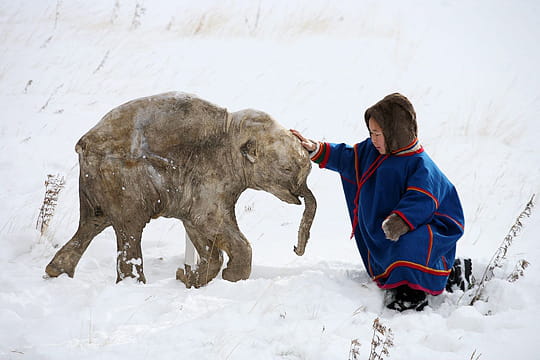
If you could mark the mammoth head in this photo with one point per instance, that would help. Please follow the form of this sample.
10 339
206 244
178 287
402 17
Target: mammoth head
275 161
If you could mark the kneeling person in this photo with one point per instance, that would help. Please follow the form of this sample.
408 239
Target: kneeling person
406 214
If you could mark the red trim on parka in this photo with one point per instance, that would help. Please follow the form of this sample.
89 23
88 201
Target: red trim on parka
326 155
362 180
425 192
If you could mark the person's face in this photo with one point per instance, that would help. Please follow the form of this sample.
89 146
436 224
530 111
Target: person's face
377 136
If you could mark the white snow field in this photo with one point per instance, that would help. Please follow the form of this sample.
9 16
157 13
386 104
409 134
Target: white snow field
469 67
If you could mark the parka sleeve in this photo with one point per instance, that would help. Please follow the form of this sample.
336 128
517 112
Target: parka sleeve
424 189
336 157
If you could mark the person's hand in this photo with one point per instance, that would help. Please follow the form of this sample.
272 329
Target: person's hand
394 227
308 144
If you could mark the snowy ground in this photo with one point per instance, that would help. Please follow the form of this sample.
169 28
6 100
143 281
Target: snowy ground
470 69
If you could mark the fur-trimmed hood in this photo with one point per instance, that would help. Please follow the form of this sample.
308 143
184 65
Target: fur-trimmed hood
397 118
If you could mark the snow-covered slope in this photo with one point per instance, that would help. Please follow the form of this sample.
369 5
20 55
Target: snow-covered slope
470 69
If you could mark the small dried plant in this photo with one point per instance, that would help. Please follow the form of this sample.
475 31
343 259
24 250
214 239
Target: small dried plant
354 351
500 255
518 271
137 16
53 185
383 339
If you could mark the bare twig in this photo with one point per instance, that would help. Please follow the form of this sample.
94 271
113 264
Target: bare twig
51 97
57 14
49 39
257 17
28 84
102 63
56 17
116 10
473 356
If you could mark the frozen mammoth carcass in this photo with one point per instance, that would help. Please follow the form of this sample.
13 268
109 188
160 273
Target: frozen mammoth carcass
178 156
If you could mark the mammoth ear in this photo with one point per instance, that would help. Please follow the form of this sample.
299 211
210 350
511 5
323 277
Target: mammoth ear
249 150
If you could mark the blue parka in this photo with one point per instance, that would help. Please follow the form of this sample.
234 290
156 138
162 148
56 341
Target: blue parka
408 183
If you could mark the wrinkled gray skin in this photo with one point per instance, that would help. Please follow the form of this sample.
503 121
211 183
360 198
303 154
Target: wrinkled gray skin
177 156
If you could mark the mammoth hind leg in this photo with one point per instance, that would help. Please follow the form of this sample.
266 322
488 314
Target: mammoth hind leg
210 260
129 260
67 258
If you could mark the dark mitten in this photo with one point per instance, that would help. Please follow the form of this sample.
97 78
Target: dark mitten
394 227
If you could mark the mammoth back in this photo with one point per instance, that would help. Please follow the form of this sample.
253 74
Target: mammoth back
156 124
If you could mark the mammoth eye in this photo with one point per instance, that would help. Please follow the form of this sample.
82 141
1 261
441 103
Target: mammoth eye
287 170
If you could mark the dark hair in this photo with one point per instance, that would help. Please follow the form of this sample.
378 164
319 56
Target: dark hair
397 118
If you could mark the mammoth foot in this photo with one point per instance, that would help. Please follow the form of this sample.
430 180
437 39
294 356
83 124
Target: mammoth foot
138 276
201 276
236 273
54 271
63 263
130 269
190 277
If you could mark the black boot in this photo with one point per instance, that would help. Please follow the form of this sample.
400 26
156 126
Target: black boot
460 275
405 298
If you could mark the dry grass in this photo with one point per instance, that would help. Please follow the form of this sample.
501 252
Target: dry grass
53 185
381 341
499 257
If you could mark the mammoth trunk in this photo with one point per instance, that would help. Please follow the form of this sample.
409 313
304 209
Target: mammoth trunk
307 220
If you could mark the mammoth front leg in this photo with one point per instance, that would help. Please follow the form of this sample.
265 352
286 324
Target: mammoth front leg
210 260
238 249
129 261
